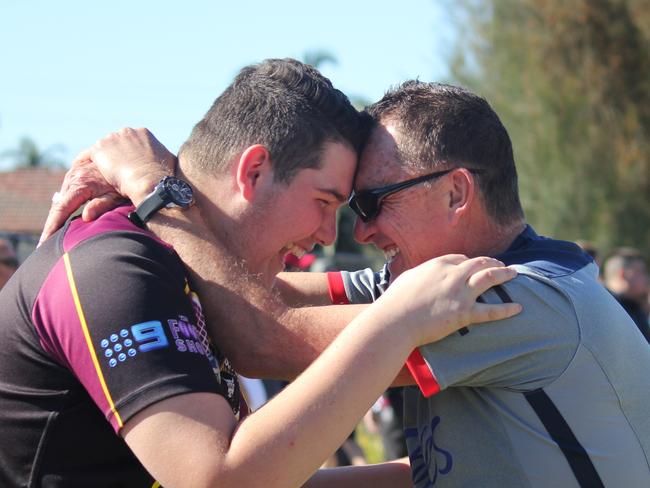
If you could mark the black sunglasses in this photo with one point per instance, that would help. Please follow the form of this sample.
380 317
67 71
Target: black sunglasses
367 203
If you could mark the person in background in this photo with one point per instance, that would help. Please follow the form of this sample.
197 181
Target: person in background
386 418
8 261
626 276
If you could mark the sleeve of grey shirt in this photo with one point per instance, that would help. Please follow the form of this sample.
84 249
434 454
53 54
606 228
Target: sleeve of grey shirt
524 352
366 285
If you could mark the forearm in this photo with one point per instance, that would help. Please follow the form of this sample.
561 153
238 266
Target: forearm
282 444
386 475
303 425
299 289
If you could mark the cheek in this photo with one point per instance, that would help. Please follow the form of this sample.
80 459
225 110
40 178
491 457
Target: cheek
328 219
413 236
311 218
398 229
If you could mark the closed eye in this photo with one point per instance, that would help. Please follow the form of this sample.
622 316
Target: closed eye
332 196
324 203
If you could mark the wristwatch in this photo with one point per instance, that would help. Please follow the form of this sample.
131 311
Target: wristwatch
170 192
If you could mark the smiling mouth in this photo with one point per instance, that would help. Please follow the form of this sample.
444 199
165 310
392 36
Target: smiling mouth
390 253
296 250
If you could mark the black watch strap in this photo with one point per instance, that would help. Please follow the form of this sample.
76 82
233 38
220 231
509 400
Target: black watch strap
149 206
170 192
135 218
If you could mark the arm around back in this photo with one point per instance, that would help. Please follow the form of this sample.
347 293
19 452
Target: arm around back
284 442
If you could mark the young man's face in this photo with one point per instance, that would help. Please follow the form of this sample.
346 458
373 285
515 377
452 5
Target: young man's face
412 225
298 215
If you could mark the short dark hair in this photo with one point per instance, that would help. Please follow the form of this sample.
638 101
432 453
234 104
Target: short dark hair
287 106
443 125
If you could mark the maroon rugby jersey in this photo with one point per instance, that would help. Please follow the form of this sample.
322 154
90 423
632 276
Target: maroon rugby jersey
98 324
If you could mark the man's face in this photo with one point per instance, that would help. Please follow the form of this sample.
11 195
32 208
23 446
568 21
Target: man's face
303 213
412 225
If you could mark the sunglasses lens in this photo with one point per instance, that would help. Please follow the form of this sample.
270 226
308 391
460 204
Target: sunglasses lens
364 205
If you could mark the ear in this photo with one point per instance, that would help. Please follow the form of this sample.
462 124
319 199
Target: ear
461 194
254 170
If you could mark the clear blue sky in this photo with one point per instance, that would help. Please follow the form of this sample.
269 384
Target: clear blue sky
73 71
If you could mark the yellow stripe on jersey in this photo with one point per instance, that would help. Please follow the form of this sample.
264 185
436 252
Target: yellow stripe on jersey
155 485
89 343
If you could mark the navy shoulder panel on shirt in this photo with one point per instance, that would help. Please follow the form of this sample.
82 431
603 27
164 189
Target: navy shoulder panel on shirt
549 257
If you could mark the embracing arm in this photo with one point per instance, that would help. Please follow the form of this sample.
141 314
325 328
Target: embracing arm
285 441
255 329
194 439
261 335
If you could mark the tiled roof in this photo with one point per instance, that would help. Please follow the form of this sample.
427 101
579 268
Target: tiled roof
25 198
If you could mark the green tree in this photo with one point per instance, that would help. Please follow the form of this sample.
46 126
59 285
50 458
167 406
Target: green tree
571 82
28 155
317 58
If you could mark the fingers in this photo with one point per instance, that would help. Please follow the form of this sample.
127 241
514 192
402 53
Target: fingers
65 205
459 263
100 205
51 226
437 266
474 265
484 312
129 160
132 161
451 259
484 279
83 156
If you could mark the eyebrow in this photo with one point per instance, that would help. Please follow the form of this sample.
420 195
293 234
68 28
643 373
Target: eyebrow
336 194
384 181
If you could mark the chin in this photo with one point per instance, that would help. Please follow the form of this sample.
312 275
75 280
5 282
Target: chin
400 265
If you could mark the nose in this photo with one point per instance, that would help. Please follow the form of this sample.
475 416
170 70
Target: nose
363 231
326 234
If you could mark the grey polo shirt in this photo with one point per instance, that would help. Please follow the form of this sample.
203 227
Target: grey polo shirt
558 395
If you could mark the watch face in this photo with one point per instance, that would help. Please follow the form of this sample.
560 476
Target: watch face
179 191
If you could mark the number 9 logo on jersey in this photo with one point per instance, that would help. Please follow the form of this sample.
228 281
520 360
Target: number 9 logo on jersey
149 336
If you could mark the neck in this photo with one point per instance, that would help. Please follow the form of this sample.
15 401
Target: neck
490 239
219 214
